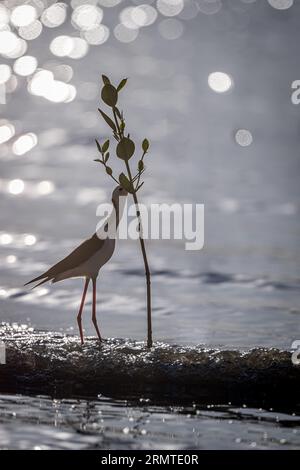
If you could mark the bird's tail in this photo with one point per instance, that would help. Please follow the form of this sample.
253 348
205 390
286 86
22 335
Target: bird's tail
44 278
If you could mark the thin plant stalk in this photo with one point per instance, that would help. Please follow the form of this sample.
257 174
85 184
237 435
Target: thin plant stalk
125 150
143 247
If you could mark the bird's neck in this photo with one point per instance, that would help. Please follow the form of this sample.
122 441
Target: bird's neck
115 215
118 211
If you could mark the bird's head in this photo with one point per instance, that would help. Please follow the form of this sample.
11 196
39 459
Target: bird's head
117 193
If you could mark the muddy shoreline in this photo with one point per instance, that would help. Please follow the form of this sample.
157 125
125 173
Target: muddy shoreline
55 364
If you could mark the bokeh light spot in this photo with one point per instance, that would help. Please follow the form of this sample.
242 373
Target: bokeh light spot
87 17
209 7
16 186
5 238
25 65
144 15
19 50
220 82
170 7
45 187
126 18
24 143
57 92
43 84
32 31
80 48
281 4
23 15
62 72
71 95
124 34
29 240
171 28
11 259
243 137
39 82
4 15
8 42
61 46
7 131
55 15
98 35
190 10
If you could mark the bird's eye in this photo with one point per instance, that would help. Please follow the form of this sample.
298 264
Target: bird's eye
120 189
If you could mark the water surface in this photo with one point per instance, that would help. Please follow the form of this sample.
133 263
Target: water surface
240 291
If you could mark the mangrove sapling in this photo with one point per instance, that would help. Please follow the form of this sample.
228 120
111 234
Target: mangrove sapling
125 150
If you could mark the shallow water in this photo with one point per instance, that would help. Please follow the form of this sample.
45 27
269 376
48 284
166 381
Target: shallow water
176 395
108 424
241 291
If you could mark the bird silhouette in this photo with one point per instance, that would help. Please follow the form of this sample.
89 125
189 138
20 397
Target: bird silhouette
88 258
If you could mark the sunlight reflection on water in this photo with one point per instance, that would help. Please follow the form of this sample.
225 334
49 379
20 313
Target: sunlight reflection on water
243 289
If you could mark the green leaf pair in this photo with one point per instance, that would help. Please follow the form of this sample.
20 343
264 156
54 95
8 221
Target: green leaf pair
125 183
109 93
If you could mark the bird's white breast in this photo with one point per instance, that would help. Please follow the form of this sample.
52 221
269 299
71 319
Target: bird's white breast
90 268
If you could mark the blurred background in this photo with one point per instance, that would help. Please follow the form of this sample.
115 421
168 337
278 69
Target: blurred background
210 87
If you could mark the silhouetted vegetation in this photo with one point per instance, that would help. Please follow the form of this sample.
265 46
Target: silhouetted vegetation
125 150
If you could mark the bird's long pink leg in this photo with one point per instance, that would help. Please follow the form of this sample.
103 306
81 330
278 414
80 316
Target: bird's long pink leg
79 321
94 318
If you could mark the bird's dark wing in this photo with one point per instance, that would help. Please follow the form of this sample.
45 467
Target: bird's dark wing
78 256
